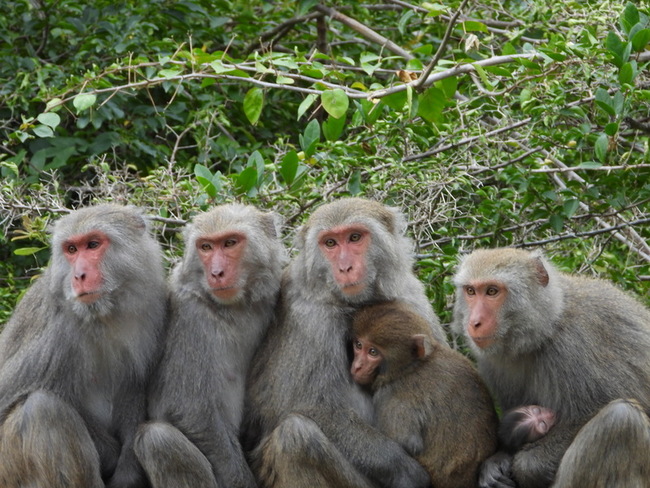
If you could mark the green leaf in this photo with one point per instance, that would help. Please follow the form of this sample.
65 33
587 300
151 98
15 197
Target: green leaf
570 206
43 131
84 101
449 86
306 103
640 40
247 179
284 80
207 180
50 119
601 146
604 101
289 167
557 223
253 104
627 73
28 251
354 185
305 5
611 129
404 21
629 17
396 101
590 165
310 138
335 102
473 26
333 128
169 73
431 103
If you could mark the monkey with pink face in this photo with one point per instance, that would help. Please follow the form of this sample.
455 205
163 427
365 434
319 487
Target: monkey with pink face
578 346
77 353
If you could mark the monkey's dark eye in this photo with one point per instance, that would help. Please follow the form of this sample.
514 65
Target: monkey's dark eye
330 242
206 246
357 344
71 249
492 291
470 290
93 244
373 352
355 237
230 242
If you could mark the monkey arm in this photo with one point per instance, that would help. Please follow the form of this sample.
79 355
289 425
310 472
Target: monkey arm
374 454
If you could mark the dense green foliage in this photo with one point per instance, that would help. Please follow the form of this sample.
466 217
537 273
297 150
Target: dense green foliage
530 130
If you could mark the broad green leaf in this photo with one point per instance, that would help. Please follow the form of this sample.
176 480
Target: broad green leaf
305 5
335 102
629 17
53 104
404 21
557 223
611 129
396 101
483 75
43 131
289 167
256 160
306 103
84 101
333 128
247 179
284 80
354 185
50 119
640 40
627 73
169 73
253 104
474 26
570 207
449 86
431 103
206 179
601 146
618 102
604 101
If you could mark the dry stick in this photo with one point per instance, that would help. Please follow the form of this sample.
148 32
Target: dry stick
419 83
365 31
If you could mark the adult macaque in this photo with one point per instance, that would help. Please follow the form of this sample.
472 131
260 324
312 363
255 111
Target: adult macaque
223 298
523 425
569 343
75 356
617 440
311 421
427 397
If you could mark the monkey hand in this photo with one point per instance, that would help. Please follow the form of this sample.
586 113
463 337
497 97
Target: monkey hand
496 472
412 475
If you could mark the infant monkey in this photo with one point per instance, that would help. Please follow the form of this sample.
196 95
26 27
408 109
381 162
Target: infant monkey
523 425
427 397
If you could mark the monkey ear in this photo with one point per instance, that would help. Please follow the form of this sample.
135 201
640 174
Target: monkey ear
422 346
272 224
542 274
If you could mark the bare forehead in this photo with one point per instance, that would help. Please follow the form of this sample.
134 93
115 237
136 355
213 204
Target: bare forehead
486 264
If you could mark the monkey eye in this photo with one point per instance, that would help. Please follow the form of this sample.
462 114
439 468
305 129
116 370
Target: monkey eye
330 243
356 237
206 246
93 244
373 352
470 290
230 242
357 344
71 249
492 291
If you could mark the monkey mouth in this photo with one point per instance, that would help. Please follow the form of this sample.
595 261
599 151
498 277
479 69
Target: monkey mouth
353 288
88 297
483 341
225 292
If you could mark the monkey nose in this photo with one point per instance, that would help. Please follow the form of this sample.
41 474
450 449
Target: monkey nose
80 276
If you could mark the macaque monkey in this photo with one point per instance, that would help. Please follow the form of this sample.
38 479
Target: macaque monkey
523 425
223 297
77 352
310 423
617 441
570 343
427 397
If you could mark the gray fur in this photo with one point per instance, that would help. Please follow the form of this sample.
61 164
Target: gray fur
305 413
197 394
72 376
572 346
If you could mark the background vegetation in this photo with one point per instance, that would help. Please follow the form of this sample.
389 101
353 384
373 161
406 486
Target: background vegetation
490 123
